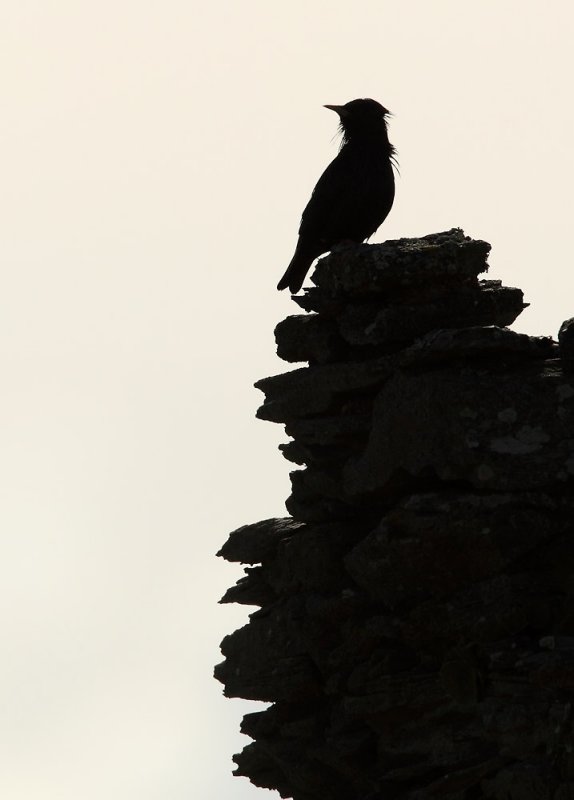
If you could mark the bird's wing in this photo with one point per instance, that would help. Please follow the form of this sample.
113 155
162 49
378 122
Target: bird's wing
331 200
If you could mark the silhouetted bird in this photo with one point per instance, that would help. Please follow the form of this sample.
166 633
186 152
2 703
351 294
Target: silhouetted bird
354 194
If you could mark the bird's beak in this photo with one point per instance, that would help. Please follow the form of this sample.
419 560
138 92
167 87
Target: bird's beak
339 109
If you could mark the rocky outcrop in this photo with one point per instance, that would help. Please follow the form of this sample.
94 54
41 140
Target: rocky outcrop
415 624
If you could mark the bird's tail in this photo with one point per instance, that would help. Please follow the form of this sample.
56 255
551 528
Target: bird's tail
296 271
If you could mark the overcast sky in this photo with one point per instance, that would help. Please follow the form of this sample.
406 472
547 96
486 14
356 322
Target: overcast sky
156 157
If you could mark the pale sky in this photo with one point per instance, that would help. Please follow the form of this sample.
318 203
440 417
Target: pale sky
156 157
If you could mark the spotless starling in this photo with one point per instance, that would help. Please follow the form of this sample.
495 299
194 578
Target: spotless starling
354 194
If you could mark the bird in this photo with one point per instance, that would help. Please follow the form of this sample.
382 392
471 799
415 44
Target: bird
354 194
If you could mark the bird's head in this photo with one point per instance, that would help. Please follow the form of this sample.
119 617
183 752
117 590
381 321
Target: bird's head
362 119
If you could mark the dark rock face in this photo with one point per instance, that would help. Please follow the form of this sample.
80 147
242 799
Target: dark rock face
415 630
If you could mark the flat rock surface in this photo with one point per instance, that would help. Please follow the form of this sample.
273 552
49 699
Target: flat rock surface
448 256
309 391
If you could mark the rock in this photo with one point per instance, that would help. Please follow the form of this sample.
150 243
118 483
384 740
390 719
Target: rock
257 543
476 534
414 631
463 344
264 662
473 424
312 390
310 338
486 303
396 267
566 341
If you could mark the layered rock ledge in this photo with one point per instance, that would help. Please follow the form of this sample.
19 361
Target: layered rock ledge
415 624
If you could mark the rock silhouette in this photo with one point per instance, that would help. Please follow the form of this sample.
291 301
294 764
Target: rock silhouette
415 624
